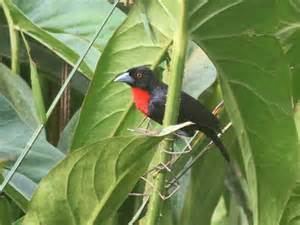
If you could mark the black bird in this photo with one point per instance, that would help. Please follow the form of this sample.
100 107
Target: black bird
149 96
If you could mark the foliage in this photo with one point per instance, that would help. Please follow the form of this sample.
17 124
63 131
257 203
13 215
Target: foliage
85 174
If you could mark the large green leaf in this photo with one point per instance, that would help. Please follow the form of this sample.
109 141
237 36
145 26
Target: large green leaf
17 123
66 27
108 109
257 91
14 134
92 182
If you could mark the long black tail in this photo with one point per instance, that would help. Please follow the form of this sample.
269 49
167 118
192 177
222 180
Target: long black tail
217 141
233 177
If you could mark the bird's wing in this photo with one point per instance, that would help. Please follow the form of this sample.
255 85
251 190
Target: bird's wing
192 110
157 103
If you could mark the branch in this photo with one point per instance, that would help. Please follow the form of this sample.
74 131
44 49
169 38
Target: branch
172 109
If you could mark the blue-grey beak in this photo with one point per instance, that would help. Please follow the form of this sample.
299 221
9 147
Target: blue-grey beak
125 78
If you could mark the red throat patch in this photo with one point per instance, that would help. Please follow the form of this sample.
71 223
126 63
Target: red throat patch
141 99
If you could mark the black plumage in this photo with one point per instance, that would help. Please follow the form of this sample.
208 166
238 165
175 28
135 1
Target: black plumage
190 108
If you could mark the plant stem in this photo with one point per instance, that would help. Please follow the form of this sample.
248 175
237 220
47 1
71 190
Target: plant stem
172 109
14 40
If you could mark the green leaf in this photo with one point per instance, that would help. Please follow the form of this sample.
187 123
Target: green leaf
13 136
289 35
219 217
200 73
204 191
35 85
92 182
9 212
66 137
291 215
292 210
70 28
5 216
257 92
108 110
17 123
37 92
19 95
19 190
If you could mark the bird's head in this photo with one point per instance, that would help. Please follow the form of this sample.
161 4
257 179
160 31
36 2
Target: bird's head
138 77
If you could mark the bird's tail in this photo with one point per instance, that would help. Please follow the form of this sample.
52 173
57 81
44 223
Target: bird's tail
234 182
217 141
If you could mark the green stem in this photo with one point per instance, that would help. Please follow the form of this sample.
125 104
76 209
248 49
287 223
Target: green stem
14 40
172 108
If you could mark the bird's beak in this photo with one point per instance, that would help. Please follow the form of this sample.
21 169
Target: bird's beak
125 78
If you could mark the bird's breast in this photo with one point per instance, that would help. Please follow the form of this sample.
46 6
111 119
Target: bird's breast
141 99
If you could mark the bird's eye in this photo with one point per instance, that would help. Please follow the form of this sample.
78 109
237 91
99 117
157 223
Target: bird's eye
139 75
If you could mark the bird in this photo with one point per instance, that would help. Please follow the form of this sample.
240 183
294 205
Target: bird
150 96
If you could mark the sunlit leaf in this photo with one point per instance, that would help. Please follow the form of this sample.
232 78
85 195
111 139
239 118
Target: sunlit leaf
92 182
108 110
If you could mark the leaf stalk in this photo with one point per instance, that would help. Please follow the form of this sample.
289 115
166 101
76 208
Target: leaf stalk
14 40
172 110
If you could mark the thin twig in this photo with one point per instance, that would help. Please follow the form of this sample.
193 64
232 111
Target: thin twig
201 153
139 212
37 132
